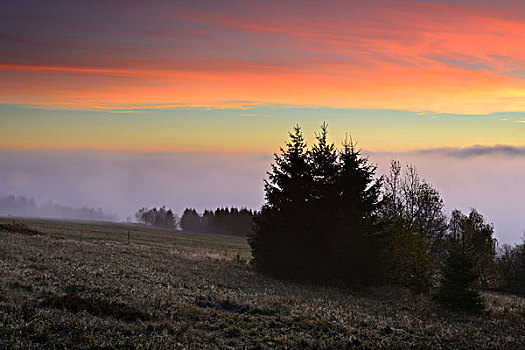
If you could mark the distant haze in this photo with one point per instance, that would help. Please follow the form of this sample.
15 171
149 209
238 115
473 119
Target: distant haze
489 179
20 206
122 182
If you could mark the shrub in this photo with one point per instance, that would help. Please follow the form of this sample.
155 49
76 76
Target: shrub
408 259
511 269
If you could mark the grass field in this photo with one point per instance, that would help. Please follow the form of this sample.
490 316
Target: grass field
81 285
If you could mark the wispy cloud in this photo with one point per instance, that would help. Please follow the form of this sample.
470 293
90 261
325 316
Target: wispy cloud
476 151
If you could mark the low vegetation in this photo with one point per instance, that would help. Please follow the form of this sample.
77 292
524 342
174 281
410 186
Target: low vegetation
172 289
510 267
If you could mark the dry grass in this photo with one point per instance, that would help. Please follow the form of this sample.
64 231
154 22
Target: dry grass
180 290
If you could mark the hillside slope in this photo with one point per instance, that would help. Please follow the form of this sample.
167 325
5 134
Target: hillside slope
199 292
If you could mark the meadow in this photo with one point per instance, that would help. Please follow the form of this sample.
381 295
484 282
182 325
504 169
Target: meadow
66 284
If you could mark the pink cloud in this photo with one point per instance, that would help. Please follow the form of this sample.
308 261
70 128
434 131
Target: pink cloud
386 54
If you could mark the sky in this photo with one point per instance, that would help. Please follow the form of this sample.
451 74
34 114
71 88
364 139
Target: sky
212 87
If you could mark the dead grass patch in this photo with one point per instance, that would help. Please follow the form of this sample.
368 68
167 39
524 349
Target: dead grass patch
96 307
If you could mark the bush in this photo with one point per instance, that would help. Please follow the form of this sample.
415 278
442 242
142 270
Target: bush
408 259
511 269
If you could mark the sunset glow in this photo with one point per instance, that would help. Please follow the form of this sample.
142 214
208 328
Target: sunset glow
227 78
459 58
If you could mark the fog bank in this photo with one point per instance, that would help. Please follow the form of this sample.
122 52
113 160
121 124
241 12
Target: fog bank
121 183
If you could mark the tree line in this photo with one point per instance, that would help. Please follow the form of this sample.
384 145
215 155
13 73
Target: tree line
327 218
228 221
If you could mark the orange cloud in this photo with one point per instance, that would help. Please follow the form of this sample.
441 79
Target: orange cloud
411 56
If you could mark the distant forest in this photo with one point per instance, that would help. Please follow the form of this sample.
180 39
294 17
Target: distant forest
12 205
226 221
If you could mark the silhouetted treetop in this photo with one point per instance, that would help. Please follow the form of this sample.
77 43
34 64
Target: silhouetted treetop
157 217
229 221
317 220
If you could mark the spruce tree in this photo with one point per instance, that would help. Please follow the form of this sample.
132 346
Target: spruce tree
459 274
324 167
460 271
318 223
190 220
279 228
355 247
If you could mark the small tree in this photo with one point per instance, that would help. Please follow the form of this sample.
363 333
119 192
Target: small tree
416 203
461 268
140 215
459 275
190 220
479 237
511 268
170 220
